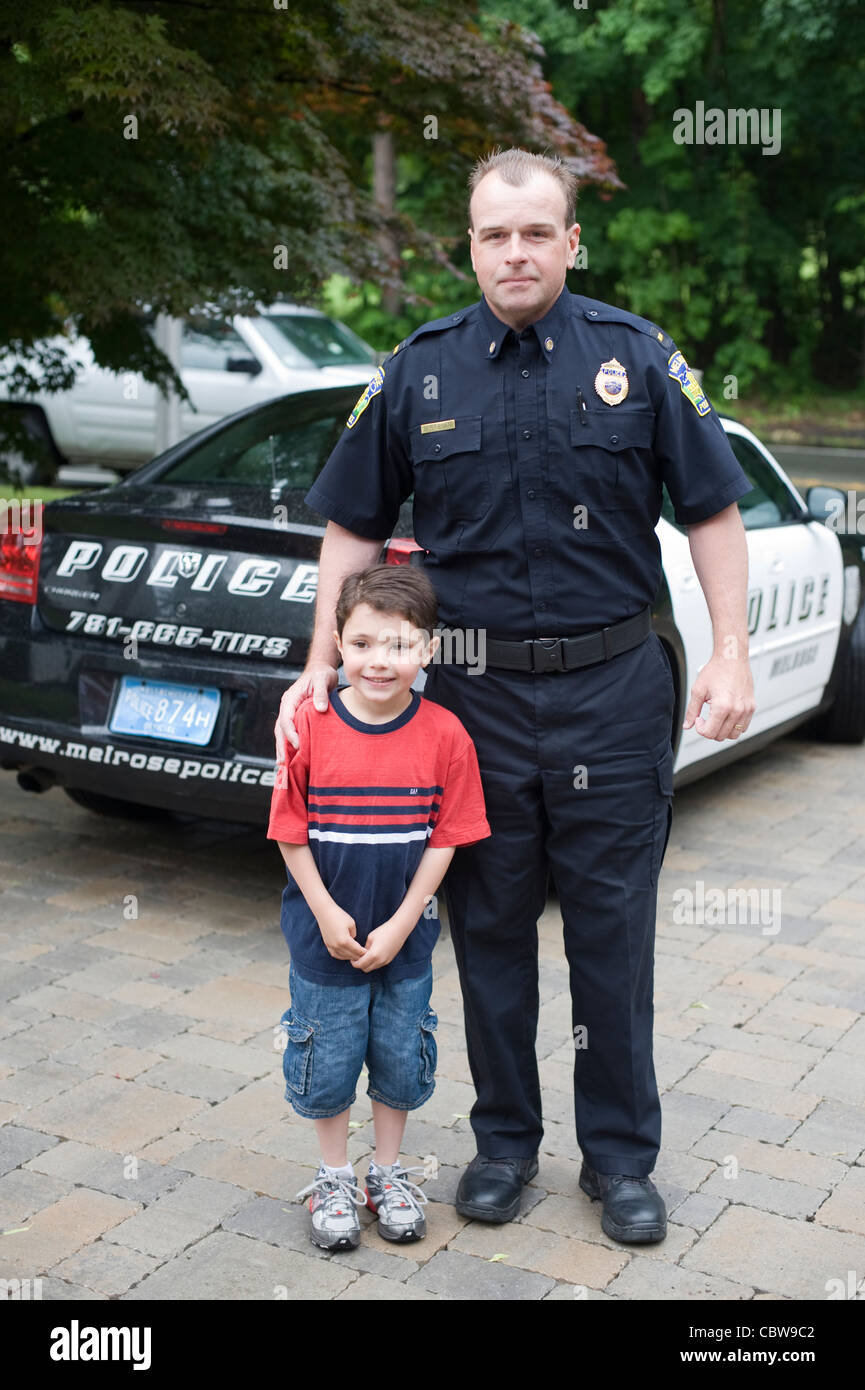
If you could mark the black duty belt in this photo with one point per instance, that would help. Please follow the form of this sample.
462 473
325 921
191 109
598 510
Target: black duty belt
540 654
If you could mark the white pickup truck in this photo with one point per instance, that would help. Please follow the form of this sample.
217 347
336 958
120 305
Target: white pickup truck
110 419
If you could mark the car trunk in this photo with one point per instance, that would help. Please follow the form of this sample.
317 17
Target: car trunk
179 566
148 562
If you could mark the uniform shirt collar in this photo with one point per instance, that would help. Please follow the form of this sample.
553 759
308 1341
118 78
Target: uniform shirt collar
549 329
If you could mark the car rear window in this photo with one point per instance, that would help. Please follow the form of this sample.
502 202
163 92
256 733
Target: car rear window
282 446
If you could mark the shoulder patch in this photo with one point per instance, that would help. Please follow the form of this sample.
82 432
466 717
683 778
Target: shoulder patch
679 370
372 389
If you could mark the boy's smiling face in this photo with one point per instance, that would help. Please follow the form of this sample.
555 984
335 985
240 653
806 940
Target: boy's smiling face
382 654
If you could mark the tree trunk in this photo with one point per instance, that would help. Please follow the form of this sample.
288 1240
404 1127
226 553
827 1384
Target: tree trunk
384 192
836 360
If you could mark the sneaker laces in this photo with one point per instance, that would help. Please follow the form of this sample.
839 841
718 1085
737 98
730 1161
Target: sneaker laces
402 1184
341 1185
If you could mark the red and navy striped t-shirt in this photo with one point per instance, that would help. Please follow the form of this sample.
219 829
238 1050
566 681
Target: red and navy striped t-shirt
368 799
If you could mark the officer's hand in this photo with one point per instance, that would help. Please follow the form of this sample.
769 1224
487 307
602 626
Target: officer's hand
727 684
315 681
338 931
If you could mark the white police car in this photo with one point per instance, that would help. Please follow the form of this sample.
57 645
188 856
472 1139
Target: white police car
806 621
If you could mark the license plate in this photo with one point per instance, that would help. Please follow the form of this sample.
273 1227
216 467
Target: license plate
181 713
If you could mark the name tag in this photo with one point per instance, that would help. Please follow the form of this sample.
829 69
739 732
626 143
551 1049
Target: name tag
435 425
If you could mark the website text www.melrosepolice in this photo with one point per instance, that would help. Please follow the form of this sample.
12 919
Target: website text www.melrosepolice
108 755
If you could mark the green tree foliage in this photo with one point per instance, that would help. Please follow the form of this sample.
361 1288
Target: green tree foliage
754 262
157 154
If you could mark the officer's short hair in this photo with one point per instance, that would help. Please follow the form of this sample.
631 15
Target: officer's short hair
518 166
401 589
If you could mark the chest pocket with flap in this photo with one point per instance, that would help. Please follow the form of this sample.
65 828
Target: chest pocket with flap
450 472
613 463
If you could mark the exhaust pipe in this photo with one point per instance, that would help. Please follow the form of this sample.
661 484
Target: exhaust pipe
36 779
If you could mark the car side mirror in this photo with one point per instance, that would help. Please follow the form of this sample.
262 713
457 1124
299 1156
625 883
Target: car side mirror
243 364
827 504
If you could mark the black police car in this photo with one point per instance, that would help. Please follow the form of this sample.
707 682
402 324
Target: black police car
148 632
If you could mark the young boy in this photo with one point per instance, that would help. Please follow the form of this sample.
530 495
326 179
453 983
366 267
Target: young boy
368 810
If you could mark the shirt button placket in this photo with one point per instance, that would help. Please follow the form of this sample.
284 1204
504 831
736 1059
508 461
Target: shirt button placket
529 385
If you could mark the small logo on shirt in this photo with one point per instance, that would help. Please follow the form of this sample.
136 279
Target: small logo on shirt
413 791
366 396
679 370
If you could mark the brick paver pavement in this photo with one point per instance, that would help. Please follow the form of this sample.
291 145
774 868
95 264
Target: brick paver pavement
146 1150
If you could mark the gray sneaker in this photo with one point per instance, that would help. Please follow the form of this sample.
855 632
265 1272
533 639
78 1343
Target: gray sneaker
333 1203
397 1202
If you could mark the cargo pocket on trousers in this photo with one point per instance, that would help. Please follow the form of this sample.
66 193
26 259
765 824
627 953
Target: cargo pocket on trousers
664 814
297 1057
428 1048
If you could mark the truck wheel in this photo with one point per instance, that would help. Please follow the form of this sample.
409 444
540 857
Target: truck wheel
113 806
845 721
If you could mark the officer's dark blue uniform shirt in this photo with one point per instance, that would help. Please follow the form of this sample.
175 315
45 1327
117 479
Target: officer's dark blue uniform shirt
535 500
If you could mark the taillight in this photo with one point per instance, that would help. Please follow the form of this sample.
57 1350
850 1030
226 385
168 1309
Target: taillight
209 528
19 559
398 551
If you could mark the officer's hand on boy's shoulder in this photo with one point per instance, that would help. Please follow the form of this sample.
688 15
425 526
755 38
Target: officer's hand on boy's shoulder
315 681
338 932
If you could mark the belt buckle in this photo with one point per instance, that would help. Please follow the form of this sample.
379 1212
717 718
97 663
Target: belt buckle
547 654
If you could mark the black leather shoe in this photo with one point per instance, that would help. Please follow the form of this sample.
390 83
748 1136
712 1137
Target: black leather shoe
633 1207
491 1188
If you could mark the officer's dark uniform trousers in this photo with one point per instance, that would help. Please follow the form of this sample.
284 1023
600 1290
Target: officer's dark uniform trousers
604 843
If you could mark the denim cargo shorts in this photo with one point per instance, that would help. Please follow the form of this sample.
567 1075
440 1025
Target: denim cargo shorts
331 1030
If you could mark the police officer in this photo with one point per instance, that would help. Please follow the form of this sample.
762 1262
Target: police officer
535 429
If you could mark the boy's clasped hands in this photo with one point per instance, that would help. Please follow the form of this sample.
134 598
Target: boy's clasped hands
338 931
